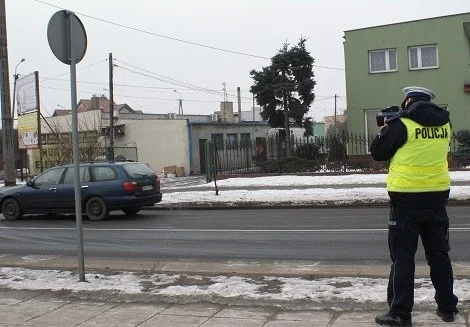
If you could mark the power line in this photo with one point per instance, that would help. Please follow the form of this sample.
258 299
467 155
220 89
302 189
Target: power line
173 38
81 68
166 79
139 97
177 82
169 99
123 85
317 97
157 34
192 86
131 99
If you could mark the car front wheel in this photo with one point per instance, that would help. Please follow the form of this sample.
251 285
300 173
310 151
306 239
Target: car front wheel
11 209
96 209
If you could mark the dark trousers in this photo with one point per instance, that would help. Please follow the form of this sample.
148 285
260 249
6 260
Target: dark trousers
405 227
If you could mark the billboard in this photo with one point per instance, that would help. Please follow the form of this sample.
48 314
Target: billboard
28 131
27 94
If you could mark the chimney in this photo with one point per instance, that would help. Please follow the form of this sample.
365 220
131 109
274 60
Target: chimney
226 112
95 102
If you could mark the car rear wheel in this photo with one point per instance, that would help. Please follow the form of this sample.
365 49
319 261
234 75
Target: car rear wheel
96 209
131 211
11 209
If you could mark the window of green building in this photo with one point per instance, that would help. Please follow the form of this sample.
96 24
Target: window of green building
423 57
381 61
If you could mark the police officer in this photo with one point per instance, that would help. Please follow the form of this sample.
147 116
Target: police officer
416 141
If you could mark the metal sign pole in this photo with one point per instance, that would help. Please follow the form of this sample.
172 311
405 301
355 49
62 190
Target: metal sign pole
75 150
68 42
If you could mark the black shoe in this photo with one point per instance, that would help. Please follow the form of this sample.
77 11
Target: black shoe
392 320
447 316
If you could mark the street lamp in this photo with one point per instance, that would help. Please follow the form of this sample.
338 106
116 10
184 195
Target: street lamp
15 78
180 104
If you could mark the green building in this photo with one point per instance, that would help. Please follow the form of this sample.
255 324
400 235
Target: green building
319 129
380 61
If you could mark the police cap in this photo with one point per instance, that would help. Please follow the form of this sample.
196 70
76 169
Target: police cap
418 91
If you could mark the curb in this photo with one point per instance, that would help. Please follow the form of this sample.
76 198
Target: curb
311 269
280 205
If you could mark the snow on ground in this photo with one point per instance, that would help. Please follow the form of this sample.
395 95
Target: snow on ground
340 189
315 181
358 289
294 196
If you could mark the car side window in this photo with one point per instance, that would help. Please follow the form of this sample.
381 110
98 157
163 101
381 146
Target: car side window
103 173
69 175
49 177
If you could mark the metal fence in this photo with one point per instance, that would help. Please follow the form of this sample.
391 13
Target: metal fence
53 156
335 153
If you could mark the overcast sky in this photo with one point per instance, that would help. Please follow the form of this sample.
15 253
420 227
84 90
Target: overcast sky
158 38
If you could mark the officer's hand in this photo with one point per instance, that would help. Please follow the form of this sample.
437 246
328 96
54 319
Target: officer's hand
385 122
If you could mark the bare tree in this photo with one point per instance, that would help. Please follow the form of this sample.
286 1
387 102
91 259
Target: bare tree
57 139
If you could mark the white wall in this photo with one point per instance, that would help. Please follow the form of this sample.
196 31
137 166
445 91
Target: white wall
160 143
87 121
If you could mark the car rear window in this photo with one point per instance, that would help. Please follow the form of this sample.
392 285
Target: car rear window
103 173
138 170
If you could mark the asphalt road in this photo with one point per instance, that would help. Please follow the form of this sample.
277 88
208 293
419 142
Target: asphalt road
340 235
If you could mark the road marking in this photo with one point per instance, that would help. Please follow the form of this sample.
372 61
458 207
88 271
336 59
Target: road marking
186 230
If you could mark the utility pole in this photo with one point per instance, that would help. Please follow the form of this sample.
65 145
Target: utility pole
111 109
286 124
7 121
239 99
180 104
15 79
41 163
254 107
335 114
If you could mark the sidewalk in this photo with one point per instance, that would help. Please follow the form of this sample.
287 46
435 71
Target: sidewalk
192 293
33 308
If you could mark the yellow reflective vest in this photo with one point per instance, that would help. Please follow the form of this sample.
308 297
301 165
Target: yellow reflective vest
420 165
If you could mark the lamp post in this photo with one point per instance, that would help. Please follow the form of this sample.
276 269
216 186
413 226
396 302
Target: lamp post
180 104
15 78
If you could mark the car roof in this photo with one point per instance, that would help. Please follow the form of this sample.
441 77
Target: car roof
106 163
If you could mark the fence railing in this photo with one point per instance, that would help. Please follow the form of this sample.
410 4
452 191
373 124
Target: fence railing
336 153
52 156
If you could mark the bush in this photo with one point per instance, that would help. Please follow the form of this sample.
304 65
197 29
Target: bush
307 151
463 139
462 155
337 150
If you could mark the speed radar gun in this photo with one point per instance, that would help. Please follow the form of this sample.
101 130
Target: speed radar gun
386 113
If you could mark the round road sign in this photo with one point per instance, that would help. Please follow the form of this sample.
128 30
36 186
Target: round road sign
67 37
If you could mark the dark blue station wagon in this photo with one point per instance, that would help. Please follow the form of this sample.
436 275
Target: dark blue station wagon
105 186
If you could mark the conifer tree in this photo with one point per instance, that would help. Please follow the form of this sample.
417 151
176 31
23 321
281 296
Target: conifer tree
287 82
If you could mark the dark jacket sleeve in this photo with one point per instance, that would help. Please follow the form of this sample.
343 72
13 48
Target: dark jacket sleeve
388 141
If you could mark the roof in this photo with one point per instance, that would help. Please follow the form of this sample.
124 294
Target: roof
61 112
102 103
95 103
409 21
